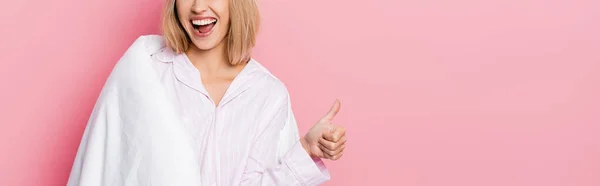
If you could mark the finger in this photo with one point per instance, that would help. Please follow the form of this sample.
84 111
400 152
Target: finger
333 111
326 156
333 157
336 135
332 152
332 145
337 156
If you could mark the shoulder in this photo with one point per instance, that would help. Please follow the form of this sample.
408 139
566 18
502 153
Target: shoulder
272 86
143 47
147 49
138 58
147 45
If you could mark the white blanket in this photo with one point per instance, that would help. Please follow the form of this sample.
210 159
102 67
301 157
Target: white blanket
133 136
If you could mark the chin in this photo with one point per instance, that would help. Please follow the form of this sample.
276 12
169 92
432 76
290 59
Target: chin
205 45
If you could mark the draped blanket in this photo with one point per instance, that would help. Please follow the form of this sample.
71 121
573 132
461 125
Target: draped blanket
134 136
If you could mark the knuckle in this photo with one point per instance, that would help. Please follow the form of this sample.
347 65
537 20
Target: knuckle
331 146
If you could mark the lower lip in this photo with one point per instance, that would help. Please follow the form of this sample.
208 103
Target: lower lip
202 35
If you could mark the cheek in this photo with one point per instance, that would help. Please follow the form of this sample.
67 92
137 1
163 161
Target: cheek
225 22
221 8
225 18
182 8
180 20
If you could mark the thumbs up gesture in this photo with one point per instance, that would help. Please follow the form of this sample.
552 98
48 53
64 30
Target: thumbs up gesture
324 139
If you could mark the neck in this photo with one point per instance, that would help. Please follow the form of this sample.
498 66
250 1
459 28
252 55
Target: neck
209 61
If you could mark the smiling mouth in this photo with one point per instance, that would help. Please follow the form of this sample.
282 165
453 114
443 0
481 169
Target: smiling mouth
204 25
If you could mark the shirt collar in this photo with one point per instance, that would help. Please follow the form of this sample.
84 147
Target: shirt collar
186 73
165 54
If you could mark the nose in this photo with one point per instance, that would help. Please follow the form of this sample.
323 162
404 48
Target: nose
200 6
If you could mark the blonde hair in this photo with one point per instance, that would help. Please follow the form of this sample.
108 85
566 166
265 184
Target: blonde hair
241 37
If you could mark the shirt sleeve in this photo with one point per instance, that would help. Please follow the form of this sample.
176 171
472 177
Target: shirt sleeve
278 158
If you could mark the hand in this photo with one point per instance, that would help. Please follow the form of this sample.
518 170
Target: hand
325 140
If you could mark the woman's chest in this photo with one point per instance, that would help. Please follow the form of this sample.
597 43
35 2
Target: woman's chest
229 128
233 125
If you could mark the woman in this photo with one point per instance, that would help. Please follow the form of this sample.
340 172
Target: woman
193 108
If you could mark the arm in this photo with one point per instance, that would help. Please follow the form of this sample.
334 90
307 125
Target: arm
133 135
278 158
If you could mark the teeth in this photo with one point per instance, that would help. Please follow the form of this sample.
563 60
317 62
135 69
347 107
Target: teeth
203 22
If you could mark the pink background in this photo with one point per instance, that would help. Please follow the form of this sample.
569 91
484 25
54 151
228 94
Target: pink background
434 92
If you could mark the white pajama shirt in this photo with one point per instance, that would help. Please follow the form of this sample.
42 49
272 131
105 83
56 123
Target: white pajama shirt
250 138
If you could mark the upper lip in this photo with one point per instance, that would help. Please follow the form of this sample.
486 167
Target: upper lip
202 17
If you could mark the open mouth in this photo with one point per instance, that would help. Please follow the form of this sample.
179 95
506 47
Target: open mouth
204 26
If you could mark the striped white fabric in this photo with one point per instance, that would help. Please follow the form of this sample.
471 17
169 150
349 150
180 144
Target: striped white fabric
250 138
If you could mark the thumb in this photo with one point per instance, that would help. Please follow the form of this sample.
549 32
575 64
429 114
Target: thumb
333 111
